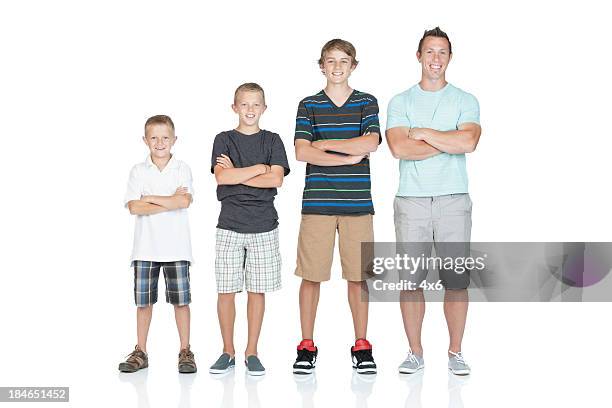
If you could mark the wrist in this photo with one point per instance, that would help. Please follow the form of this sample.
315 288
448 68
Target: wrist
262 169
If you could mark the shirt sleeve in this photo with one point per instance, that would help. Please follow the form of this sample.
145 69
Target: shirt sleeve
470 110
219 148
134 188
279 156
186 180
303 124
397 116
369 118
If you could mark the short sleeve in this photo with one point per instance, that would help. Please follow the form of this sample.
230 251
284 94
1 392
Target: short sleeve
369 118
397 116
134 187
303 124
219 148
470 110
186 180
278 155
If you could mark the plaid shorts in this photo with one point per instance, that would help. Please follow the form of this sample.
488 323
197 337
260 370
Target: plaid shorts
252 261
146 276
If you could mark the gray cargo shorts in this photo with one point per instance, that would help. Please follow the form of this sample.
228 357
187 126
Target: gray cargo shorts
442 222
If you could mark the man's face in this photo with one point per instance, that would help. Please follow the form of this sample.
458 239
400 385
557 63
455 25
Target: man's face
434 57
337 66
160 139
249 105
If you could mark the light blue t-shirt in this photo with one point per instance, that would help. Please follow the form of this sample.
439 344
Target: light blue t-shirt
441 110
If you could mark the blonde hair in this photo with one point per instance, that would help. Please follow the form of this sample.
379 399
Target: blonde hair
250 87
159 120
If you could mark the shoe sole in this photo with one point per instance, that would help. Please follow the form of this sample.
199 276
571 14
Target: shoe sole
256 373
219 371
303 371
410 371
127 369
367 371
188 370
460 372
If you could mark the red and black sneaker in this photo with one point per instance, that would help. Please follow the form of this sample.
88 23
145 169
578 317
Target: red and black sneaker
363 362
306 357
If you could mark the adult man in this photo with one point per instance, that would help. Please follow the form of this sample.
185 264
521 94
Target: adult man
430 127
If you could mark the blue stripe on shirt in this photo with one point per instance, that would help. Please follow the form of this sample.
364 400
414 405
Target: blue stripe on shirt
337 129
341 179
317 105
317 204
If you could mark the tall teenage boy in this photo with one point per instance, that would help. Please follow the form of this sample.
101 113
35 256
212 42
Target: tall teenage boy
249 164
335 131
430 127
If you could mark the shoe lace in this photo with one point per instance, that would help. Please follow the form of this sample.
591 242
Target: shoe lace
134 356
185 355
411 357
459 357
305 355
363 355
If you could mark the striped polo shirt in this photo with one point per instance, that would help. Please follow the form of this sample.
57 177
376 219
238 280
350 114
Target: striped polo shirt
337 190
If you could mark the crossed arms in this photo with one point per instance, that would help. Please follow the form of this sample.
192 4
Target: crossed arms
152 204
258 175
422 143
355 149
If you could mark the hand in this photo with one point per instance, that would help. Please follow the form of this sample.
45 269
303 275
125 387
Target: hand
181 191
319 144
355 159
417 133
225 162
264 168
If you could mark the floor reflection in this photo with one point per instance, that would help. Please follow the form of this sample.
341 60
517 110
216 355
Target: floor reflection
306 386
139 382
414 383
362 385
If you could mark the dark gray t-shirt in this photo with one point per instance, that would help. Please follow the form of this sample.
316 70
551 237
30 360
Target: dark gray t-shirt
247 209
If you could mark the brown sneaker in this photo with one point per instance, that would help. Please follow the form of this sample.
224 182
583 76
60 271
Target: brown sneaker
186 363
136 360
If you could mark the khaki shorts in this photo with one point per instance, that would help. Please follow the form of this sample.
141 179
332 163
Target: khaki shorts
317 240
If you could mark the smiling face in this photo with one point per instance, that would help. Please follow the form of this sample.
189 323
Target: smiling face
159 138
249 105
337 66
434 57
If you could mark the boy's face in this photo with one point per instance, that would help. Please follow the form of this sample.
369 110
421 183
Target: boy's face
337 66
159 138
434 57
249 105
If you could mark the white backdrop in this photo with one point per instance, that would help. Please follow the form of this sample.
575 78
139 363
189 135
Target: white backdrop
78 80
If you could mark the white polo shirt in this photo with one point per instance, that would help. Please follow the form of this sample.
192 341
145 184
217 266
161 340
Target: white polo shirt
162 237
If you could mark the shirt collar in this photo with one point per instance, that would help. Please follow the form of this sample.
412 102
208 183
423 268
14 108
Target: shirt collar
172 163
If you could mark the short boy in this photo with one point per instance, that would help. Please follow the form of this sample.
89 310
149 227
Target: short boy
159 192
335 131
249 164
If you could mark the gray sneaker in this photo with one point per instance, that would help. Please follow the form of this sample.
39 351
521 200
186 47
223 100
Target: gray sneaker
457 365
412 364
222 365
254 366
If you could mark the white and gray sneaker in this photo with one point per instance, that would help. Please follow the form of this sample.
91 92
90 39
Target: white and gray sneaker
457 364
412 364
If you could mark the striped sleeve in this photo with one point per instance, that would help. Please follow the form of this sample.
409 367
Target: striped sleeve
303 124
369 118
